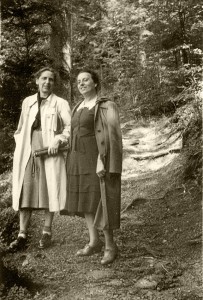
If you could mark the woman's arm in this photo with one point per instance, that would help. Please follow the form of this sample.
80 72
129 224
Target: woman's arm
64 115
115 138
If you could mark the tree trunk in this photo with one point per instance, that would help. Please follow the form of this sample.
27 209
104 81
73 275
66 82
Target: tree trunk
141 49
67 52
60 50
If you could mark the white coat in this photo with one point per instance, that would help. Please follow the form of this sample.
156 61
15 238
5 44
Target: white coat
53 108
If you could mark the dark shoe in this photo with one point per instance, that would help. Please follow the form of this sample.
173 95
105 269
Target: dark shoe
90 250
45 241
109 256
18 244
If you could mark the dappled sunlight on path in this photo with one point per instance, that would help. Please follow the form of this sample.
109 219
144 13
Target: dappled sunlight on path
148 148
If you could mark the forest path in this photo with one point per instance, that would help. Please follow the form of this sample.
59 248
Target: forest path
155 261
151 154
148 148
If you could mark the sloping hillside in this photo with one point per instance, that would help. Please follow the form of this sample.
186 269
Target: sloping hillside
159 240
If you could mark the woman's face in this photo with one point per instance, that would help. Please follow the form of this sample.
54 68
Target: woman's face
45 83
85 83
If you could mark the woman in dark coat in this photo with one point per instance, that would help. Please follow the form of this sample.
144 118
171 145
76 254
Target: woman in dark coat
94 166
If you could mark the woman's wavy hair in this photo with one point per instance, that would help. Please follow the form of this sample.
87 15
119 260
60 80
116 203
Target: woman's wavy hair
50 69
94 75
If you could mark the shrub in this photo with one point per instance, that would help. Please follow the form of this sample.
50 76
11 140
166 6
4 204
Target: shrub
7 144
9 223
17 293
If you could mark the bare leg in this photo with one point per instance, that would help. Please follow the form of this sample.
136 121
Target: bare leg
20 242
95 245
25 215
45 240
93 232
109 241
111 250
48 220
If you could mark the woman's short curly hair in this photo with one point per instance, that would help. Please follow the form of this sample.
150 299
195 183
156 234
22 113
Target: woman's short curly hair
94 75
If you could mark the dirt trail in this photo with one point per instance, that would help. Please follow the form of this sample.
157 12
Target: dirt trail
151 154
148 149
156 261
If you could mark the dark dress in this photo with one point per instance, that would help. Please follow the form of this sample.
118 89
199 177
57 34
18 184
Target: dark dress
83 183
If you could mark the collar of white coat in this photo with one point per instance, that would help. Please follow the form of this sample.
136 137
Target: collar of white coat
50 99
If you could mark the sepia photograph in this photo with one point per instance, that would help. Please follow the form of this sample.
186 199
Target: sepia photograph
101 149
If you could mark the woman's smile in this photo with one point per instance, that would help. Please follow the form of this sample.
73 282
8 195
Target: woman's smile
85 83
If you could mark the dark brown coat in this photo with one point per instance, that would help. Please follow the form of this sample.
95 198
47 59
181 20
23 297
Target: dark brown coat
108 134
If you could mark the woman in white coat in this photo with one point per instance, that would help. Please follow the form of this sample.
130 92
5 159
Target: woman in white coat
40 182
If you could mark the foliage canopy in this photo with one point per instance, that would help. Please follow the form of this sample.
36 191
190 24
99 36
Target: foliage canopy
146 52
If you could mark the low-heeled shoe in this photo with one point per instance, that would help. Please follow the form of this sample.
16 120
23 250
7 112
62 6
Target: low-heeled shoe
90 250
109 255
45 241
19 244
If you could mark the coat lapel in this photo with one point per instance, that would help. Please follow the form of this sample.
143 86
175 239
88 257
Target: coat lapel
100 103
33 100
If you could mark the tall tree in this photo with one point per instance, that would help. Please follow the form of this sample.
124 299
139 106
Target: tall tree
139 47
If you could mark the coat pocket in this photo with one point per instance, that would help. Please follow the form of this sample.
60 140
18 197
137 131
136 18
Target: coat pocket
53 120
58 124
49 120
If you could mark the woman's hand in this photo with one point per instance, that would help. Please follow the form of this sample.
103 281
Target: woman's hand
100 167
53 149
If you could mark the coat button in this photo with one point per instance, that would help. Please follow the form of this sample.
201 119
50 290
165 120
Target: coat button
99 130
102 143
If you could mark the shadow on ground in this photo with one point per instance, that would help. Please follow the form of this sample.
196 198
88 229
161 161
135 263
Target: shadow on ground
159 240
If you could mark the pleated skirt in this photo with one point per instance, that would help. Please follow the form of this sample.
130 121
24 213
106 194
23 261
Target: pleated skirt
34 190
83 189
